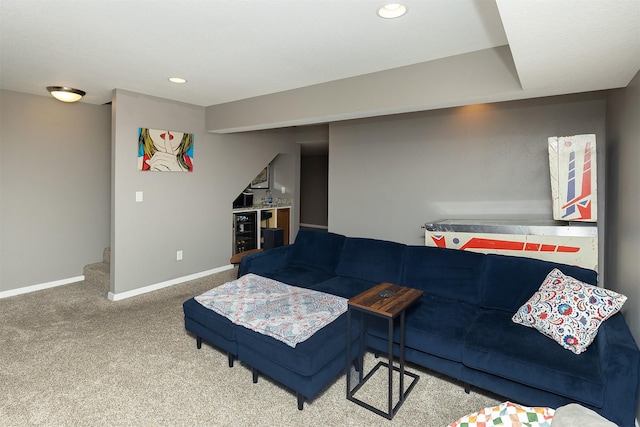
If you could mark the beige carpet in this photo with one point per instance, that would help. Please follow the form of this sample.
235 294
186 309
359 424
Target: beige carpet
71 357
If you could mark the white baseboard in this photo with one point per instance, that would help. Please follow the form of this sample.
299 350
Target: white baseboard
135 292
40 287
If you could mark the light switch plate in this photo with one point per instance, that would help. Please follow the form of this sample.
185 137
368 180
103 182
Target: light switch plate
138 196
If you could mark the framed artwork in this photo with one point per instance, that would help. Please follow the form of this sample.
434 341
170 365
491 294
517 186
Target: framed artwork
165 150
262 179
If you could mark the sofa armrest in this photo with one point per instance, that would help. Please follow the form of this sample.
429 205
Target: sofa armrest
621 369
266 261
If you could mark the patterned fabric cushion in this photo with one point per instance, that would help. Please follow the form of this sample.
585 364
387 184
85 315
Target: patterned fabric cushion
568 310
507 414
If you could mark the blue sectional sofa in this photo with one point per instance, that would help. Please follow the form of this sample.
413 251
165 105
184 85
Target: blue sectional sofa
462 325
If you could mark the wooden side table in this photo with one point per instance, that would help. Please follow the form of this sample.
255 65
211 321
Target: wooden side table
388 301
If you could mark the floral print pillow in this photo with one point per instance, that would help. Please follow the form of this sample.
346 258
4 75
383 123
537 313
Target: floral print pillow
568 310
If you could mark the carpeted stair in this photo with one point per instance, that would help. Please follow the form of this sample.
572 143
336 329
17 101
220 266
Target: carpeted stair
98 274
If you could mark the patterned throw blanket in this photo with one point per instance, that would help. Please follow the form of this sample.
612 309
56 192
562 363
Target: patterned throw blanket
286 313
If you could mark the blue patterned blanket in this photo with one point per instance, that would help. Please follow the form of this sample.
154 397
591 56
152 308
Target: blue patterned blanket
287 313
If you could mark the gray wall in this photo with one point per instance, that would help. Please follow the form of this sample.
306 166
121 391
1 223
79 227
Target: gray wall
390 175
623 195
54 188
181 211
314 189
282 168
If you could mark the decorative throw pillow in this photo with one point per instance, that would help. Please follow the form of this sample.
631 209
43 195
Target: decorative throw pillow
507 414
568 310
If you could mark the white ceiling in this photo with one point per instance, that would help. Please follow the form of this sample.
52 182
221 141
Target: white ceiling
237 49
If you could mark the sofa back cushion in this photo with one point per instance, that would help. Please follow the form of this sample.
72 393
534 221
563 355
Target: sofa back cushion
317 249
509 281
371 259
448 273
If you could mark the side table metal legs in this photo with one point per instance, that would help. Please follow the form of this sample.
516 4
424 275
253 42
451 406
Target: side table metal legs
402 395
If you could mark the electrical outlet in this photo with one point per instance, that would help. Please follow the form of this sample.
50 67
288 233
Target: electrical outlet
179 256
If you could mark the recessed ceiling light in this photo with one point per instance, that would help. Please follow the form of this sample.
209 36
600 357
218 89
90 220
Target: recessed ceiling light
392 10
177 80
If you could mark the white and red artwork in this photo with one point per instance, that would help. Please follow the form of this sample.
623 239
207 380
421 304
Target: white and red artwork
572 165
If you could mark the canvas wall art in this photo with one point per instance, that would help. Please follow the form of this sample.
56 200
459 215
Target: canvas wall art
165 150
572 161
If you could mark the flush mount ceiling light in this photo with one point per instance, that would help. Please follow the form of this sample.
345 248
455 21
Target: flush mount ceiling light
66 94
392 10
177 80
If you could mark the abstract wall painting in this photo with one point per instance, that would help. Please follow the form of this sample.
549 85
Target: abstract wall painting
572 161
165 150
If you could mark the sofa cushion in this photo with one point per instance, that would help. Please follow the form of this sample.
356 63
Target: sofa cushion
309 356
500 347
371 259
265 261
448 273
568 310
319 250
509 281
345 287
434 325
296 275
